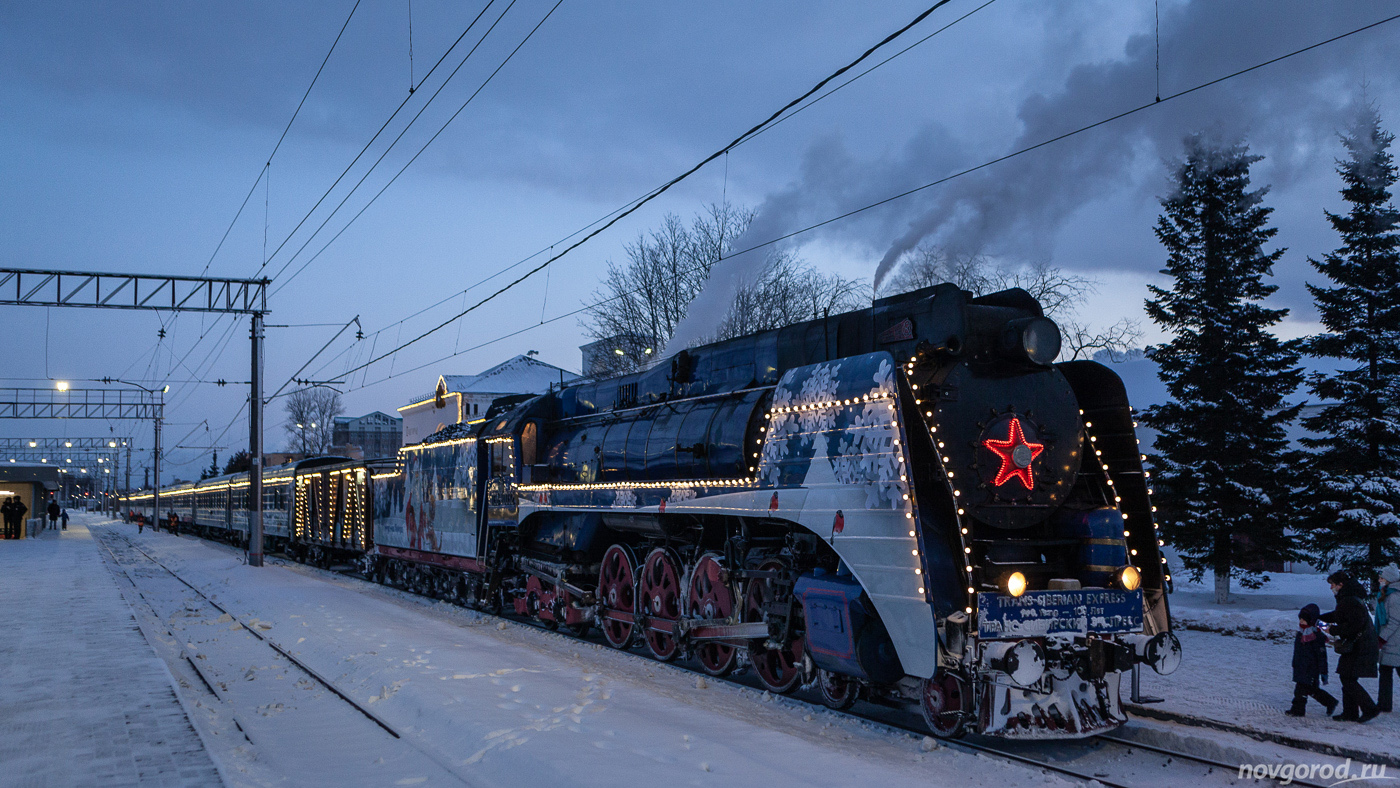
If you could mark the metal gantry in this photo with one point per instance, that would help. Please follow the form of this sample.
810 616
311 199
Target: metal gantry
132 291
28 403
75 444
30 287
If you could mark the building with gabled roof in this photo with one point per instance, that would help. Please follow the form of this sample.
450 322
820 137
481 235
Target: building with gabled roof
464 398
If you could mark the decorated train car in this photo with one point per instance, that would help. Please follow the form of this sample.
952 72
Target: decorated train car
316 510
911 504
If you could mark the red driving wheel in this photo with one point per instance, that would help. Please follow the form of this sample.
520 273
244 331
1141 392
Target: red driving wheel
710 598
778 669
616 581
659 599
945 704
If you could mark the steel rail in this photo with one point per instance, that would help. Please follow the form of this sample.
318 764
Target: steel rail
427 750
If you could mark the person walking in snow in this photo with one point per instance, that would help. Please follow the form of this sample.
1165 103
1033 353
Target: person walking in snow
64 517
1388 628
1356 645
53 511
1310 664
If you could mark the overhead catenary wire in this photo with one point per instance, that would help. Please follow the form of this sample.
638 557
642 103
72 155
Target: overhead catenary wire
958 174
638 199
382 127
679 178
410 162
263 170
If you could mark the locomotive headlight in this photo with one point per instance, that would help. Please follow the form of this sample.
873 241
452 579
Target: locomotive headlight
1129 578
1033 339
1016 584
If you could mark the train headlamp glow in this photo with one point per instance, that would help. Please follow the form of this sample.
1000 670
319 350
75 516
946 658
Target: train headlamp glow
1129 578
1016 584
1035 339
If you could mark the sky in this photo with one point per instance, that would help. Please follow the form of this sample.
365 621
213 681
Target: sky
132 133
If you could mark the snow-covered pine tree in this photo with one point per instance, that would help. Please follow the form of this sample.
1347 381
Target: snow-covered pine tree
1222 462
1354 488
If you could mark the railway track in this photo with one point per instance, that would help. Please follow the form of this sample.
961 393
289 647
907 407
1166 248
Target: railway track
895 720
129 561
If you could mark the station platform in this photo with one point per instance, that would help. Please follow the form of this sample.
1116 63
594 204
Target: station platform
85 700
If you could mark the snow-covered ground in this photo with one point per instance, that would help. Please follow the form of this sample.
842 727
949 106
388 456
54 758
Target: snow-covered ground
1271 611
487 702
1241 671
505 705
83 700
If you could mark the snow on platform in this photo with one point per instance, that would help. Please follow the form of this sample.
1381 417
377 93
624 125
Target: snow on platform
1241 673
506 705
83 699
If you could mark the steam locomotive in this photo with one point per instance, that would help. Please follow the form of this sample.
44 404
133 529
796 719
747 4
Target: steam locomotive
908 504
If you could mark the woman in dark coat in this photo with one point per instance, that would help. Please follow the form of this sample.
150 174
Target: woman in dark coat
1351 624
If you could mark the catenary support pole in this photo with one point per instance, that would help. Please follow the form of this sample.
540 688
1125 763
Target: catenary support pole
155 462
255 446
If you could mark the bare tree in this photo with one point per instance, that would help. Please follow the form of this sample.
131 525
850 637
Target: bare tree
641 302
790 291
310 421
1060 293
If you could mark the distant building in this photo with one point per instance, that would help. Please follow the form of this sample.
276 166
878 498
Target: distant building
372 435
464 398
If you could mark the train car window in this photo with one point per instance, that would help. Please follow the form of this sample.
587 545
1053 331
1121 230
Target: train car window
555 454
502 458
529 443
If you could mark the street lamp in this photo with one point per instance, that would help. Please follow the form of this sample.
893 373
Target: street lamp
62 385
159 414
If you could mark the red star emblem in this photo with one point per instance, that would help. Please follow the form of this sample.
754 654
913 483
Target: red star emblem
1016 454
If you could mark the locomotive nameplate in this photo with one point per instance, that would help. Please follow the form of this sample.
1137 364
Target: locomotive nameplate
1100 611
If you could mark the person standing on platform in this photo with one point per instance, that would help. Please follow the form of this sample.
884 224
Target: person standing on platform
17 513
8 509
1388 626
54 511
1357 646
64 518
